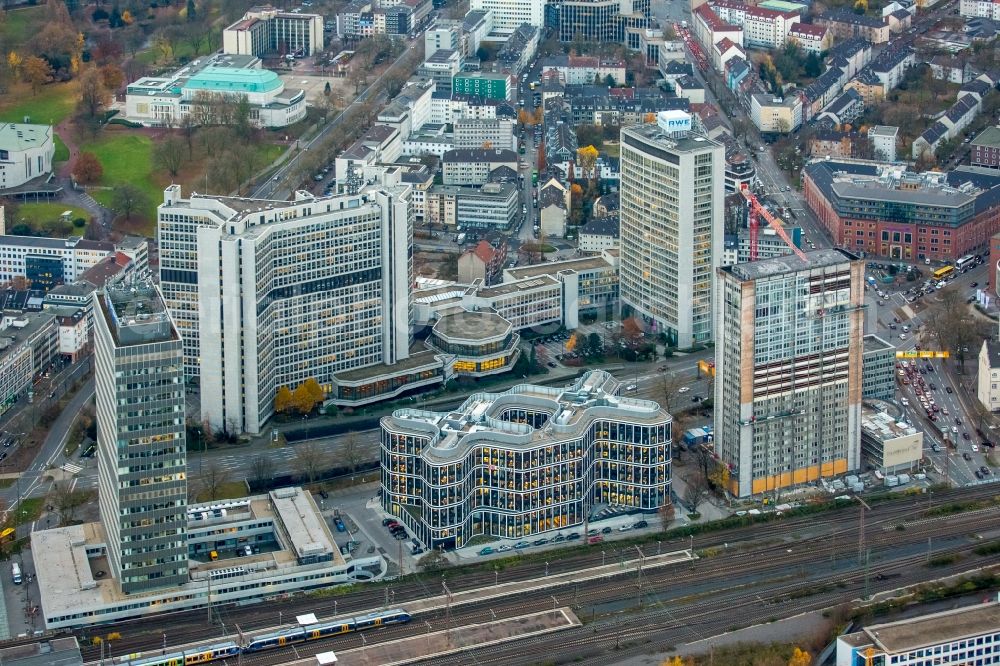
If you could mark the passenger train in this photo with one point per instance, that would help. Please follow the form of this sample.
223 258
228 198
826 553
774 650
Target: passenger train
274 639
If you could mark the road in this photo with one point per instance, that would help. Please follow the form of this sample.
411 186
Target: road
276 187
32 481
881 320
777 568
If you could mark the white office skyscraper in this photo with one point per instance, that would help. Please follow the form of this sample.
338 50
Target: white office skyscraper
141 449
672 191
509 15
285 291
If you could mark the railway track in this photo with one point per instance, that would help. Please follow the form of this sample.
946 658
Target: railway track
783 582
192 626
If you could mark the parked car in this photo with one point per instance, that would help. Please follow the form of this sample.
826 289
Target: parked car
607 530
520 545
486 551
640 525
504 548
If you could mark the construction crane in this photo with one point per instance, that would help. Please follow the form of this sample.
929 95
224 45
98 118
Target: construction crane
755 213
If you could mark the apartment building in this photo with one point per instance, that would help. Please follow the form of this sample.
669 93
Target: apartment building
494 206
473 166
26 152
776 115
485 133
304 314
980 9
985 148
671 211
141 447
884 139
845 24
762 27
585 70
988 380
266 30
810 37
488 85
450 477
29 343
599 234
788 369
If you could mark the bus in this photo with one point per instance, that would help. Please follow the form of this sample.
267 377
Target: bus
942 273
15 573
965 263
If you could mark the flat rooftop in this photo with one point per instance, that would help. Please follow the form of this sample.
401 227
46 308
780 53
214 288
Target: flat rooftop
928 630
790 263
551 268
571 412
873 343
81 581
475 326
415 361
507 288
136 314
653 134
883 426
24 136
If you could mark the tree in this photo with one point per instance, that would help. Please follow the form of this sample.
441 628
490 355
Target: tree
314 391
669 388
308 460
800 658
595 346
87 168
210 480
14 62
66 501
112 77
631 332
327 89
261 469
37 72
586 157
609 81
192 12
93 95
352 452
956 328
282 399
127 199
573 342
169 155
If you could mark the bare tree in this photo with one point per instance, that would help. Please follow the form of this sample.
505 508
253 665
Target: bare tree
953 324
352 452
309 460
261 469
211 481
669 389
169 155
66 501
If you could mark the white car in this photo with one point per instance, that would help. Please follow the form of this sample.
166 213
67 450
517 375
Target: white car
631 387
906 403
902 336
684 389
975 448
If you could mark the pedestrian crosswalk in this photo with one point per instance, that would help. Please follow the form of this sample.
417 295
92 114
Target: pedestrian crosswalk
71 468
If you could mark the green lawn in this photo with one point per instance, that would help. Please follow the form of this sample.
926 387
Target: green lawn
45 218
53 103
127 158
19 25
62 152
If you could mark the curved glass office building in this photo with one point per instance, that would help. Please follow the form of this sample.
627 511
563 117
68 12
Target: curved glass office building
532 459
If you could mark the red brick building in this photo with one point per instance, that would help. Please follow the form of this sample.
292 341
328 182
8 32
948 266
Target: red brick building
904 215
985 149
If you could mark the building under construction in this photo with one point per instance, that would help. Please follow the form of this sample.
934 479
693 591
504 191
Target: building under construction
788 362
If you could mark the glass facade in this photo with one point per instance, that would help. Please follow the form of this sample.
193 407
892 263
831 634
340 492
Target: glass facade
511 491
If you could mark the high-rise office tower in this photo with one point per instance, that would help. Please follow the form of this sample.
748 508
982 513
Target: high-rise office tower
788 360
671 212
141 451
285 291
